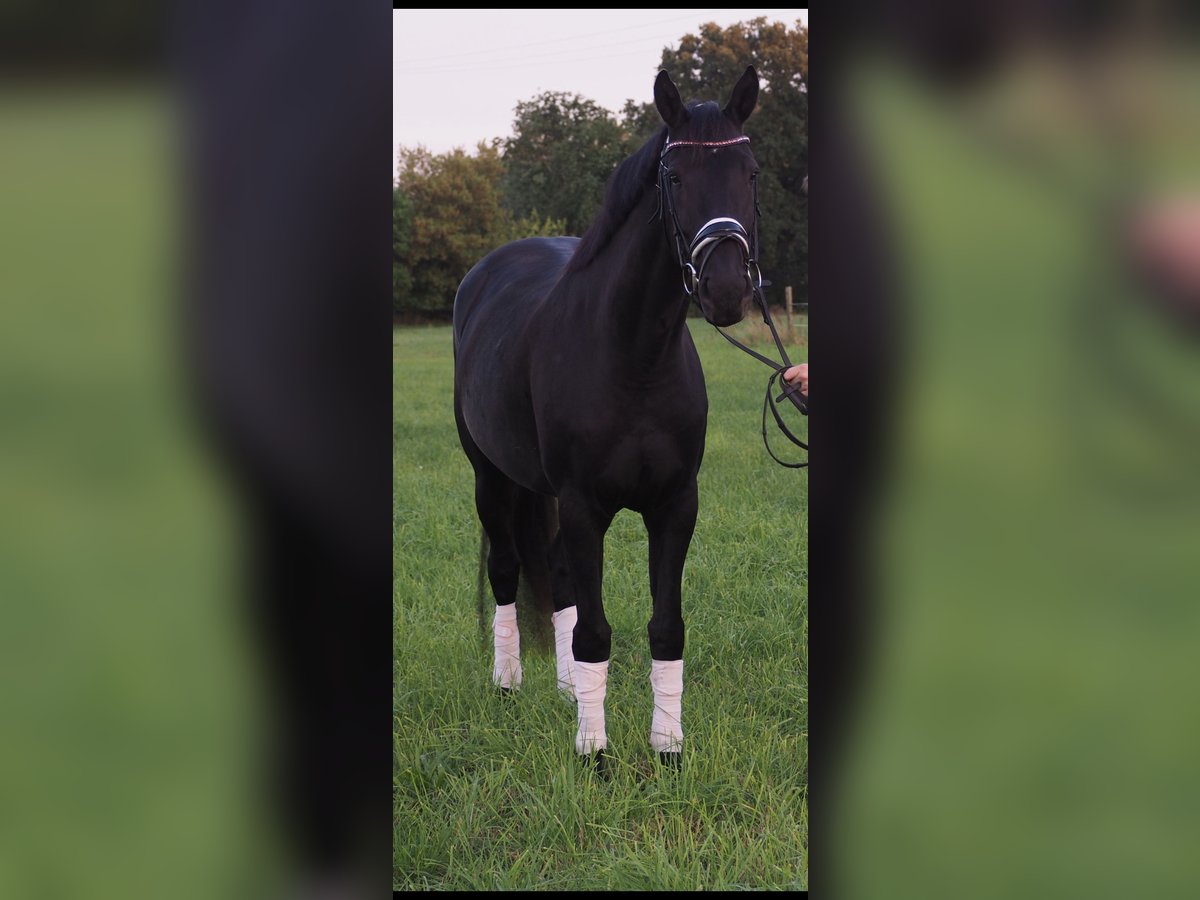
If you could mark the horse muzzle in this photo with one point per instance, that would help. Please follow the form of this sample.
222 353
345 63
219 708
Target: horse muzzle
722 295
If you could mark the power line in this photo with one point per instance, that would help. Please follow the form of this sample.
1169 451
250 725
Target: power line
573 37
567 54
491 68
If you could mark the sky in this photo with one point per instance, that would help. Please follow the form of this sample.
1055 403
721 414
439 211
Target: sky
457 76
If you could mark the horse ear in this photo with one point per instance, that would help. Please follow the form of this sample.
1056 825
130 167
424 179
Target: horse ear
667 99
744 97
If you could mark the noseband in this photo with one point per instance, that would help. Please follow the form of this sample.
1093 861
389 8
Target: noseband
694 255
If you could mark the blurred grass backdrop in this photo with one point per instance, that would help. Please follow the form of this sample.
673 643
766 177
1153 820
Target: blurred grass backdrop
124 765
1030 727
488 791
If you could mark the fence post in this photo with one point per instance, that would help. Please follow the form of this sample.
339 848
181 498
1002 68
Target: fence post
787 299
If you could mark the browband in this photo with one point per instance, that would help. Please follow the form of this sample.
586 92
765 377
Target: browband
671 145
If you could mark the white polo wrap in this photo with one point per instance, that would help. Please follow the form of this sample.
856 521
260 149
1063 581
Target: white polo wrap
507 641
564 631
666 727
591 684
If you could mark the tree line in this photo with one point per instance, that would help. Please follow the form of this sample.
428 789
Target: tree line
548 177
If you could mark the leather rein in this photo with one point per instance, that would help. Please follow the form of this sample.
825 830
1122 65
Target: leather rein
694 255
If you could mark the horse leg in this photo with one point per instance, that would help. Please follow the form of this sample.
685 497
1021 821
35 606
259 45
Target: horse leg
494 496
495 501
564 617
582 526
670 528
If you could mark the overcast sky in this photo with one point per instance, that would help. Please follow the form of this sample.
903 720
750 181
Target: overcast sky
456 76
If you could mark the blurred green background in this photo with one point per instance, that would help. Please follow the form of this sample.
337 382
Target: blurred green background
127 717
1030 723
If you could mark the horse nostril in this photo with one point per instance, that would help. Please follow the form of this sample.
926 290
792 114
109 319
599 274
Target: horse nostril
726 286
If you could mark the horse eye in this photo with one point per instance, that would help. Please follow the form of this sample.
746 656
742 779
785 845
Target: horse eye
674 178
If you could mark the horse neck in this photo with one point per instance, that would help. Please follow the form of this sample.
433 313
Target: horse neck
643 301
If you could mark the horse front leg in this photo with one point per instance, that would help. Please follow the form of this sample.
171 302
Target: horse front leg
670 527
582 527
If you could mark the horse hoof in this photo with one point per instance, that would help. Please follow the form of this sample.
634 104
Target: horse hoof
506 691
599 763
672 761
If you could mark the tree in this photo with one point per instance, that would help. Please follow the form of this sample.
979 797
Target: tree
712 61
456 214
639 121
534 225
563 149
401 249
446 216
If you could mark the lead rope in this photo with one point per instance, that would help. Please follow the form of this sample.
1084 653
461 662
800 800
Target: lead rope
691 285
791 391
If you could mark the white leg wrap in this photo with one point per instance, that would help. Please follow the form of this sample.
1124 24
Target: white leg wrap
666 728
564 631
591 684
507 670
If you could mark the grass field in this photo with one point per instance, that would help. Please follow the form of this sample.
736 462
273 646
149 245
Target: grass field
488 792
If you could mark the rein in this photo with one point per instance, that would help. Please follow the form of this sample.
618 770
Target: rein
694 255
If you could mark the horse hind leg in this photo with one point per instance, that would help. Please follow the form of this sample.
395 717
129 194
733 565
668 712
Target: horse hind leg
564 618
549 602
495 502
535 521
494 496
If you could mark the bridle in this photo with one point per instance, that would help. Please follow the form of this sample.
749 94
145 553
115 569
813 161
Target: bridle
693 255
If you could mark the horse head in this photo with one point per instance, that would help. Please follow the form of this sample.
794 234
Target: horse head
707 180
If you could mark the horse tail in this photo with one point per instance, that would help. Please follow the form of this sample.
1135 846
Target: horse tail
535 525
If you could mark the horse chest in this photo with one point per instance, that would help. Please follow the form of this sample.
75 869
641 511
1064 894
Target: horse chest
637 460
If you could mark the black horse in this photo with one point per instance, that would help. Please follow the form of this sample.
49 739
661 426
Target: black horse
577 385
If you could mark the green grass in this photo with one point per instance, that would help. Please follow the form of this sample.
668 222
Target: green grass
488 791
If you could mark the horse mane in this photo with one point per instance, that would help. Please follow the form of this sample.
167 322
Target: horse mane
639 172
628 182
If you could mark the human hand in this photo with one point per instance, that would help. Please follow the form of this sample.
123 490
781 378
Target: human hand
1165 236
798 375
